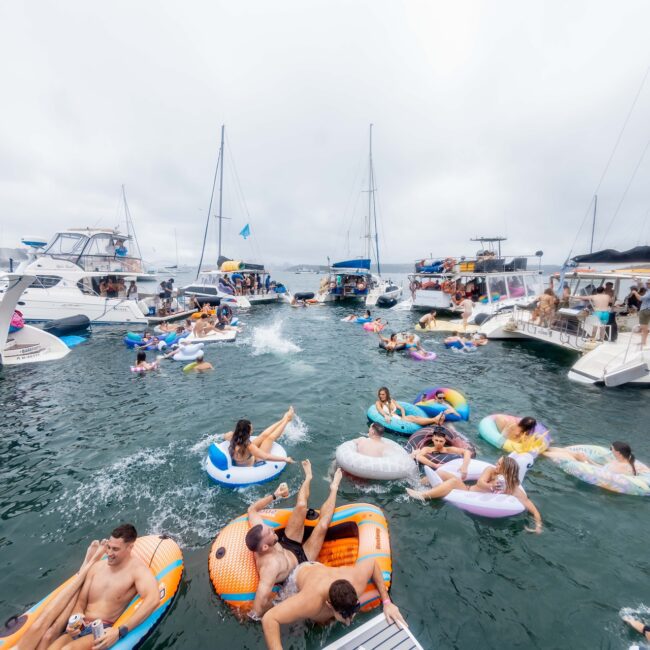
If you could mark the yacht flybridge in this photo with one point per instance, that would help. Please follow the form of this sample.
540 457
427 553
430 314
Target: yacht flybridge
351 279
489 279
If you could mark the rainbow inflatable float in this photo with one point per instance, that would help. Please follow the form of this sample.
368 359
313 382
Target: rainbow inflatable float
426 400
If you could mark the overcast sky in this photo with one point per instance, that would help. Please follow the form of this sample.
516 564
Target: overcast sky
489 118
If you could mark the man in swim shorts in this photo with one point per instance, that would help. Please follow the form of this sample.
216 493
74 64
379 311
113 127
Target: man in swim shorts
108 589
324 593
277 555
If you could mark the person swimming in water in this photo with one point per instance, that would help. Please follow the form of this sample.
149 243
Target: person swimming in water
141 362
388 408
503 478
353 318
390 344
245 450
277 555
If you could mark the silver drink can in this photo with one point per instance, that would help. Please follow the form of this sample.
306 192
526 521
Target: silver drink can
98 628
75 623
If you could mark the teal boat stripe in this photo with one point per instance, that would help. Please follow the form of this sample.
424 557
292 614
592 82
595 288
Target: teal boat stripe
367 557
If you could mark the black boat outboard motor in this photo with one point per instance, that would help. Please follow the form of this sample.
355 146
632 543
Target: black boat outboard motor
69 325
386 302
304 295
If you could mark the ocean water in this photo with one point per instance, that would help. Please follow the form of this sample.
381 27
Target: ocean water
84 445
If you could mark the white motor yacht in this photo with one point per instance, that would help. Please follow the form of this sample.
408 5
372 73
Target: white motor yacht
24 344
492 281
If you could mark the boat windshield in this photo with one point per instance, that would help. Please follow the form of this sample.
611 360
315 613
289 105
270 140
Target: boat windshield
66 243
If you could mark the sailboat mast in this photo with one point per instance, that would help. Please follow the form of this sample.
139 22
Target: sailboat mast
372 205
593 224
130 227
368 222
176 242
220 217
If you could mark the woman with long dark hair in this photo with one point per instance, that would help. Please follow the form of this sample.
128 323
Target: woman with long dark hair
246 450
624 461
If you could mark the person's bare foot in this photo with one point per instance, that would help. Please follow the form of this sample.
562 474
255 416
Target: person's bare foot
336 481
289 414
415 494
306 468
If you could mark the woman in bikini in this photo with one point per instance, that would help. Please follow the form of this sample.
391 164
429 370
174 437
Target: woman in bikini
624 461
389 409
246 451
503 478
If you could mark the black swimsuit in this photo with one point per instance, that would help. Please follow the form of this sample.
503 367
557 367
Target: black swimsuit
292 546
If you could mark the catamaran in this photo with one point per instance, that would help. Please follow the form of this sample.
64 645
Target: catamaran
352 279
491 280
234 281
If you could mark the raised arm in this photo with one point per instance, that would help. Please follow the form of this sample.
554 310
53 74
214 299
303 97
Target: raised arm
254 517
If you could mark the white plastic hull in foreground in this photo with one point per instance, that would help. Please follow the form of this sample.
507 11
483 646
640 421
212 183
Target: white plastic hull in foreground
32 345
614 364
45 305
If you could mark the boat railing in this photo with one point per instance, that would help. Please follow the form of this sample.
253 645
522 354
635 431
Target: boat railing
103 263
573 330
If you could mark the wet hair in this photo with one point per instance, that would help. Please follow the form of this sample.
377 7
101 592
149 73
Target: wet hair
253 538
527 424
127 532
384 389
439 434
241 436
510 471
343 598
600 290
377 428
393 337
367 313
204 315
626 451
142 356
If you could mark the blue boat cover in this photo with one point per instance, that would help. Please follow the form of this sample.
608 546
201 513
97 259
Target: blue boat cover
352 264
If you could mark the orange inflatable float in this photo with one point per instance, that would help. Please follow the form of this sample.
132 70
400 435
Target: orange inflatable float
357 532
165 560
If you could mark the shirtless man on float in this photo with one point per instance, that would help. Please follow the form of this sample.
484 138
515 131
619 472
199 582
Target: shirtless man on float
100 590
322 593
276 556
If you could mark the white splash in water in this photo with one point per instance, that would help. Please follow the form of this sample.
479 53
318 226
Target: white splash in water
295 431
268 339
202 445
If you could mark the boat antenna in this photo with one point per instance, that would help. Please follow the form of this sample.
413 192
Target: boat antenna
207 219
593 224
371 203
130 227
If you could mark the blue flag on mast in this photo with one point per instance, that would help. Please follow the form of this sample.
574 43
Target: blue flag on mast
245 231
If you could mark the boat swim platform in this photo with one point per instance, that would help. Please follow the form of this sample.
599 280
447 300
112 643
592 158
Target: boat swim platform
455 325
179 315
377 634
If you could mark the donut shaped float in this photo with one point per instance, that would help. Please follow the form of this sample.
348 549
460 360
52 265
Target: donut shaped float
396 462
426 400
537 442
140 370
220 469
423 355
422 438
371 326
358 531
483 504
164 559
396 423
638 485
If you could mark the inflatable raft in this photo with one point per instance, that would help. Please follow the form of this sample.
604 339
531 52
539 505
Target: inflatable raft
395 464
422 438
357 532
215 336
426 400
600 476
165 560
537 442
396 424
220 469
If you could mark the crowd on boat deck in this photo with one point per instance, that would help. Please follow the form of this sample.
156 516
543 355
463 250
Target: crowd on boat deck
246 284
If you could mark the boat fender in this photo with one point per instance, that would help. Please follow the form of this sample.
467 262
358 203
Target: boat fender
304 295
